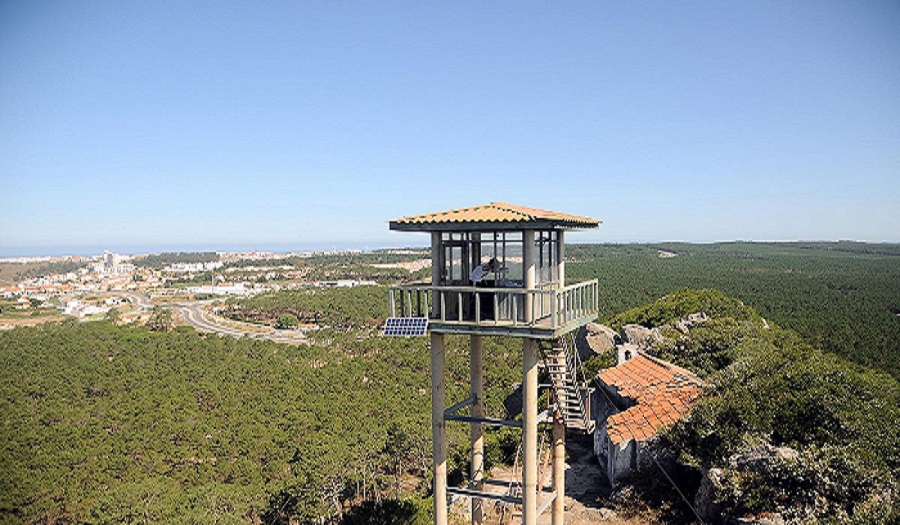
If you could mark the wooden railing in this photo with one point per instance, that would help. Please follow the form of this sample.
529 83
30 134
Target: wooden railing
547 307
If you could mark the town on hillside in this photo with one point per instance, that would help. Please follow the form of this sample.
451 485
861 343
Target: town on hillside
34 290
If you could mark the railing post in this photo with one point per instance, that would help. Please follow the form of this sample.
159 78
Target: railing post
477 308
496 308
576 302
582 295
554 308
393 310
515 310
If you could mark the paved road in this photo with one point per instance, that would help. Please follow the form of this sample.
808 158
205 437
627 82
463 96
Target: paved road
194 314
141 301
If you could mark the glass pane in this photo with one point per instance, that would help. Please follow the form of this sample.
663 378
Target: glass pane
456 267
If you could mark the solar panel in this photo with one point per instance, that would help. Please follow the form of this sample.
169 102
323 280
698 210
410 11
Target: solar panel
405 326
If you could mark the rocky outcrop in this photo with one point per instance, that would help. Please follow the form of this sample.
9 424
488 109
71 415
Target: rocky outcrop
707 495
715 483
514 401
684 324
759 458
768 518
712 485
641 336
600 338
595 339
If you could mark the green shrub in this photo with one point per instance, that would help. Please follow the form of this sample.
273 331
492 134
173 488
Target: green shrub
287 321
415 511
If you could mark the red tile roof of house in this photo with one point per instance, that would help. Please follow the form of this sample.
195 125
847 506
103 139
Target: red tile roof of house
662 391
494 213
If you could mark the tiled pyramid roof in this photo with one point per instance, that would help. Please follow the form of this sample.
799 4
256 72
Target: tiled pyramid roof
662 392
493 214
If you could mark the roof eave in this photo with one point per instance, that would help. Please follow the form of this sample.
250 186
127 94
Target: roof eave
488 226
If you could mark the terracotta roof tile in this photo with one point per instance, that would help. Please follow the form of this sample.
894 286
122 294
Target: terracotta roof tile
496 212
662 392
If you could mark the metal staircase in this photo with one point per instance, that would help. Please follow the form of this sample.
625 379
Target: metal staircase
568 385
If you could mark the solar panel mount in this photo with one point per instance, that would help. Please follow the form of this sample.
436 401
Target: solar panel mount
405 326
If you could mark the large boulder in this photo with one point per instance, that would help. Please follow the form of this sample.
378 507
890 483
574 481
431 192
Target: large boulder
514 401
766 518
641 336
684 324
710 487
758 458
600 338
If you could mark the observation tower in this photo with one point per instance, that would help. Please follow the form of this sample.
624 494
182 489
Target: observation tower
499 269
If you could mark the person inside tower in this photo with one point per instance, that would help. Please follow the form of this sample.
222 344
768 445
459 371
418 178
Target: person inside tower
483 269
486 299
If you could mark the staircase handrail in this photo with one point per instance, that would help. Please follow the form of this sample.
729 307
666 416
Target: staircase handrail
573 362
568 380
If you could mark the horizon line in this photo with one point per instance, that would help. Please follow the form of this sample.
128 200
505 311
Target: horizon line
9 252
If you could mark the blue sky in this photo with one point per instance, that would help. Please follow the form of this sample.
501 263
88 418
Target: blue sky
300 123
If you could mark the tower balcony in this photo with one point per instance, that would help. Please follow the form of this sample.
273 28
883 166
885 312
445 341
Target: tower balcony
541 313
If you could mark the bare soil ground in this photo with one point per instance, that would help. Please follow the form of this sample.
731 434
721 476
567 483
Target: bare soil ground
8 271
8 323
587 493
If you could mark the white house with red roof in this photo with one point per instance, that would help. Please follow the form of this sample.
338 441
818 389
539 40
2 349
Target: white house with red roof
636 400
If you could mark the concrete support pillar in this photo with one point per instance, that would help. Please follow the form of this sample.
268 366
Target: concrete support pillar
438 430
436 267
476 429
529 271
475 251
558 512
529 428
561 254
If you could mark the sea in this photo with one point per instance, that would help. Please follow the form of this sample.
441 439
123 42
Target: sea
85 251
